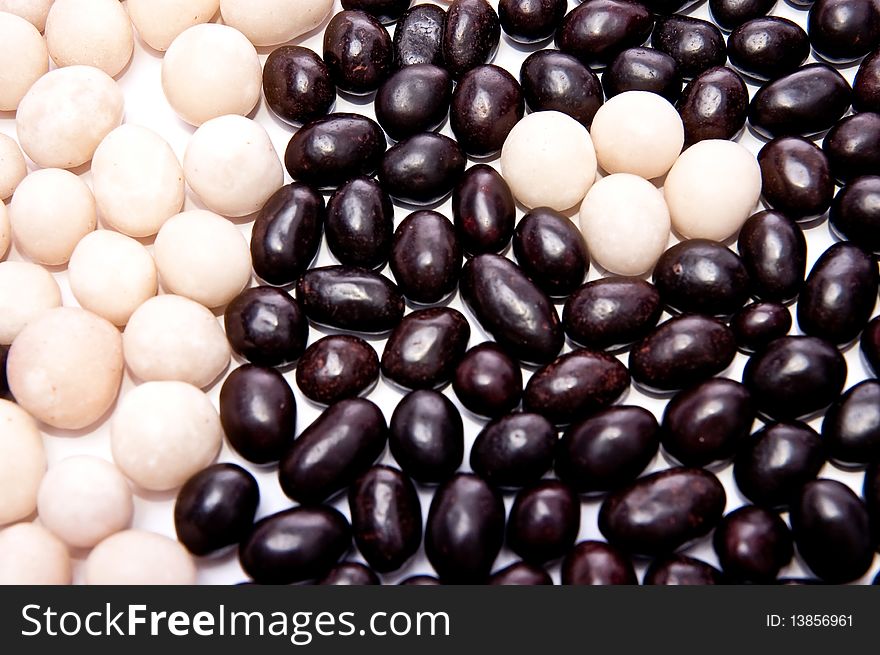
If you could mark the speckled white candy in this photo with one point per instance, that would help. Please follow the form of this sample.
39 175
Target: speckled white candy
5 231
712 189
22 463
83 500
270 22
202 256
232 166
26 292
158 22
174 338
137 557
12 166
164 432
138 181
24 58
65 367
93 106
637 132
51 210
211 70
112 275
548 160
90 32
625 224
33 11
31 555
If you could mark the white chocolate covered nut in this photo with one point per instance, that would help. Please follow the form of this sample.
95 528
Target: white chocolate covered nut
51 210
26 292
270 22
625 224
164 432
202 256
211 70
66 114
65 367
33 11
174 338
548 161
637 132
22 463
137 557
112 275
712 189
158 22
83 500
24 58
232 166
31 555
12 166
90 32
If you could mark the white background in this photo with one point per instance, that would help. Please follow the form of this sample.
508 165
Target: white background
146 105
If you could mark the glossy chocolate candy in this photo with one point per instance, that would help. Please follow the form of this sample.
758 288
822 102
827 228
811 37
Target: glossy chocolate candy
350 298
796 177
215 508
768 47
777 461
258 413
851 429
753 544
334 451
297 84
330 151
486 104
870 345
358 52
465 529
427 436
414 99
756 325
488 381
422 169
643 69
607 450
471 36
520 574
843 30
853 147
678 570
360 223
551 250
294 545
623 25
661 512
287 233
544 521
855 212
386 518
421 580
509 306
424 349
337 367
530 21
728 14
695 45
871 494
426 257
484 210
266 326
597 563
514 450
774 251
714 105
386 11
575 385
348 574
866 85
794 377
418 36
554 81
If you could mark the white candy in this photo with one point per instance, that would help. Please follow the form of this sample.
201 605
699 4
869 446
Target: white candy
12 166
270 22
160 21
202 256
625 224
137 557
26 292
112 275
211 70
24 58
712 189
83 500
66 114
90 32
33 11
174 338
637 132
163 433
5 231
31 555
138 181
548 160
65 367
51 210
22 463
232 166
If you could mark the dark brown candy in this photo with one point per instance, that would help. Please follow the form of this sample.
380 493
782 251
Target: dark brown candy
551 250
418 36
471 37
661 512
796 177
387 11
870 345
597 563
643 69
426 257
855 212
422 169
414 99
853 147
730 13
714 105
359 224
488 381
484 210
843 30
756 325
521 574
427 436
866 85
347 574
753 544
544 521
554 81
266 326
623 24
530 21
337 367
297 84
514 450
421 580
696 45
774 251
871 494
486 104
424 349
358 52
768 47
851 429
678 570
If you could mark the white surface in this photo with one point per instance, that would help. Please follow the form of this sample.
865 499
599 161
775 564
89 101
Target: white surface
145 105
